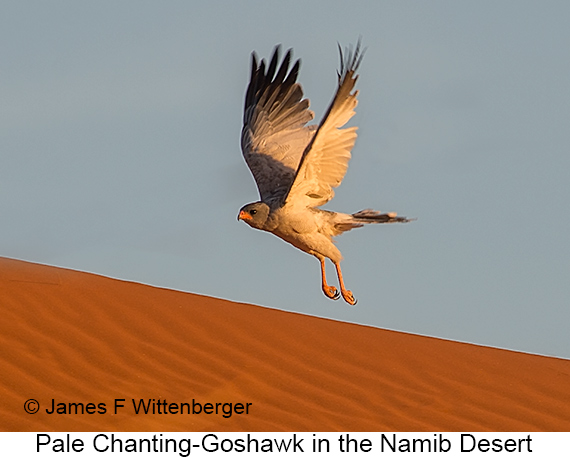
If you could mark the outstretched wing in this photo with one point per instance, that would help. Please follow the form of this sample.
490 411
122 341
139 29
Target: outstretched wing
274 133
325 160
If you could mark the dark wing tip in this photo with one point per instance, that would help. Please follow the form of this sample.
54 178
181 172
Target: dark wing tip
273 64
268 79
352 60
280 77
253 63
293 73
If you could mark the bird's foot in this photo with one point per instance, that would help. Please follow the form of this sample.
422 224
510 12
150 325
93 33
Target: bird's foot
331 292
348 297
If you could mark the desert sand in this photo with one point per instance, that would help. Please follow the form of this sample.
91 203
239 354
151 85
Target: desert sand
74 337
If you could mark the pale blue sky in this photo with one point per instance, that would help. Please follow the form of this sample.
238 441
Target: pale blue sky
119 144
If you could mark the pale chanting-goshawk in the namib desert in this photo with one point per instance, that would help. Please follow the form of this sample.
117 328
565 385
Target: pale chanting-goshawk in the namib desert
296 165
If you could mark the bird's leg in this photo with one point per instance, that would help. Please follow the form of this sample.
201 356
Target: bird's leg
346 294
330 291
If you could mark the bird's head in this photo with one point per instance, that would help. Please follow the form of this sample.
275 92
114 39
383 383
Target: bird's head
254 214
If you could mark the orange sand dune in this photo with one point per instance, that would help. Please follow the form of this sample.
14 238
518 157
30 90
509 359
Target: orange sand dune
78 337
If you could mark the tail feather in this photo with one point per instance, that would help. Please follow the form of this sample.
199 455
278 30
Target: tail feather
369 216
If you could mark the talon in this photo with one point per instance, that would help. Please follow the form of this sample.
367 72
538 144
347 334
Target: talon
331 292
348 297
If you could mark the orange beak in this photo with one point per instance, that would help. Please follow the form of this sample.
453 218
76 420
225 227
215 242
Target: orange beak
243 215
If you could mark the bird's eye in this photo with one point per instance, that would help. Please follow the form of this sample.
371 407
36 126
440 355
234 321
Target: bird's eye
253 212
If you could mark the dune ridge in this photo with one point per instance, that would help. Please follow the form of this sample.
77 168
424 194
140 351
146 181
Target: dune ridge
79 337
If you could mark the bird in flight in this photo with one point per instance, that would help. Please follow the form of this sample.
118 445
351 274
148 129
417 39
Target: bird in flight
296 166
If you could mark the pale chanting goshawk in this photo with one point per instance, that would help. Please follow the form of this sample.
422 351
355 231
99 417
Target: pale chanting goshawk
296 166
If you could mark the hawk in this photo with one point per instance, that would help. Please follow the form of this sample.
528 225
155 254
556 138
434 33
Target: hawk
296 166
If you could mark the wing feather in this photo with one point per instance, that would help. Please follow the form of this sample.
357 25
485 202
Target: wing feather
275 133
325 159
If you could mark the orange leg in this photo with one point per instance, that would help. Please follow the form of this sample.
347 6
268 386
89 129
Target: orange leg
346 294
330 291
